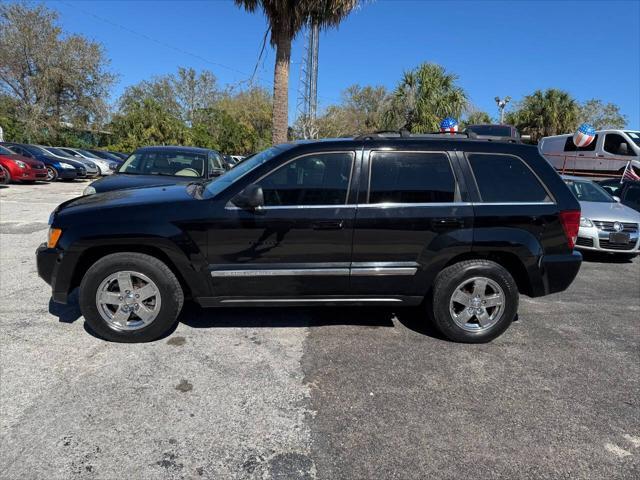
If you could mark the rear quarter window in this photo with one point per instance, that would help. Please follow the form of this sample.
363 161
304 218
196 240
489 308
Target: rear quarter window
506 179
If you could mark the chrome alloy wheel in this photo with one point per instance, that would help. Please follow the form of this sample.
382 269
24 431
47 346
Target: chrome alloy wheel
51 174
128 300
477 304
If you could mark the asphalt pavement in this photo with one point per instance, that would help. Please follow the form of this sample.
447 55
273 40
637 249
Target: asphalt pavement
328 393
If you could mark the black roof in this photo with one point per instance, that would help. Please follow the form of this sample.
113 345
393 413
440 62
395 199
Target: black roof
174 148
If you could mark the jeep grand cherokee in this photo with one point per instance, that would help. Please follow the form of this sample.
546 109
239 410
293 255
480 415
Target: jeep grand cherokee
454 225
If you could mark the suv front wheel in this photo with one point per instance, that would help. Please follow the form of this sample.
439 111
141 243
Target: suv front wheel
474 301
130 297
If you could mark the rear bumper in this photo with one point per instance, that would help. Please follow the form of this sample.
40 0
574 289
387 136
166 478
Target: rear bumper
557 272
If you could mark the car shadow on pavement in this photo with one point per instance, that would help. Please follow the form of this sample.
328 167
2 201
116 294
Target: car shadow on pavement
194 316
602 257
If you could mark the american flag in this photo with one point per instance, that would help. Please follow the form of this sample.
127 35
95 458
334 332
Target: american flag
629 173
449 125
584 135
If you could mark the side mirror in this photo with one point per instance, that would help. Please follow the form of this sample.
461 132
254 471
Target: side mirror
251 198
216 172
616 198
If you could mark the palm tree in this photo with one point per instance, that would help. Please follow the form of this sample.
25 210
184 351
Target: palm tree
424 97
542 114
286 18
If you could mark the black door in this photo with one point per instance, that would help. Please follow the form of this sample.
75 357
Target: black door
409 223
298 244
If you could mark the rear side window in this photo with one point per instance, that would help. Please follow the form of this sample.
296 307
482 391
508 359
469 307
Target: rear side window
506 178
569 146
411 177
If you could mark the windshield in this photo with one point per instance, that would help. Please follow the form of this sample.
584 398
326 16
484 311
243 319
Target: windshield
491 130
172 163
635 136
226 179
6 151
589 191
58 152
88 154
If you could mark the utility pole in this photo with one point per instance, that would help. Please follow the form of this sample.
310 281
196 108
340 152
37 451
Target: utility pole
307 104
502 103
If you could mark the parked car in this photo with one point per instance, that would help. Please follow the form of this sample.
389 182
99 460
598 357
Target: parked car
161 166
16 168
79 154
605 224
56 168
367 221
495 132
626 192
607 155
123 156
108 156
92 168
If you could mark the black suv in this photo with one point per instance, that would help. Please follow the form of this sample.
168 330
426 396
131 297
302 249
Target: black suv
458 226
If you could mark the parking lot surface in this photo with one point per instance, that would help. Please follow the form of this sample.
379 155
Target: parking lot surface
314 393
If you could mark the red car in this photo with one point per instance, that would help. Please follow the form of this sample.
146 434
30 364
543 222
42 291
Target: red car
17 168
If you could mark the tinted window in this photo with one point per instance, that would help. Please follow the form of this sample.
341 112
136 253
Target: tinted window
632 194
634 136
505 178
404 177
320 179
617 145
569 146
491 130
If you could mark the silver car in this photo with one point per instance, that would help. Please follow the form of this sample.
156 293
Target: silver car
605 224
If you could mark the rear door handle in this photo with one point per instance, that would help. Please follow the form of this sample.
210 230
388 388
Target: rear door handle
329 225
446 223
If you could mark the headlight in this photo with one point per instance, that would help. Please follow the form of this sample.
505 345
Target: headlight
67 166
585 222
113 166
20 164
89 190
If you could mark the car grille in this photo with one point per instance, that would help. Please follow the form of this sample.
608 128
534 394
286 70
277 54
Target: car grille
617 246
37 166
608 226
584 242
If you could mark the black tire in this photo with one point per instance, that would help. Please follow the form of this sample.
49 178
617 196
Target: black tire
52 174
7 176
447 282
172 297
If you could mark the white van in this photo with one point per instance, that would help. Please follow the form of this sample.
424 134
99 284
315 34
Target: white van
606 156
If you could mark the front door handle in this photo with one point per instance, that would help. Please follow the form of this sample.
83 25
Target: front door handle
329 225
446 223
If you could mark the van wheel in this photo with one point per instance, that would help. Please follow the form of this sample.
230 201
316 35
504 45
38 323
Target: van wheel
474 301
130 297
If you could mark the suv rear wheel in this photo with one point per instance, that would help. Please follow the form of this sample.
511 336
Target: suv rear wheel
130 297
474 301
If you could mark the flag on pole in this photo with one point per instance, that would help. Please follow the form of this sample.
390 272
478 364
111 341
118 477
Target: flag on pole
629 173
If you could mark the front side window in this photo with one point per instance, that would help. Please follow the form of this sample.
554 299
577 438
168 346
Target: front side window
318 179
215 161
411 177
617 145
506 179
633 195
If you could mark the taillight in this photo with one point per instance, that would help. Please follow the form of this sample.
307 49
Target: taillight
570 220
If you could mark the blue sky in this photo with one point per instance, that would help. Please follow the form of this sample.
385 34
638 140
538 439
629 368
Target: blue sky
589 48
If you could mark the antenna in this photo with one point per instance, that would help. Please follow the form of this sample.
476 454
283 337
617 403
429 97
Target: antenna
307 103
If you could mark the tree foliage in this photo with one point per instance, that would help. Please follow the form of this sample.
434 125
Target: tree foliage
545 113
286 18
478 117
425 96
602 115
55 81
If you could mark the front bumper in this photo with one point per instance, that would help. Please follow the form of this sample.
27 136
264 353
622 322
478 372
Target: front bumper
67 173
29 175
594 239
50 268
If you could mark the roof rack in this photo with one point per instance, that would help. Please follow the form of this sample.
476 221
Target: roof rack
403 133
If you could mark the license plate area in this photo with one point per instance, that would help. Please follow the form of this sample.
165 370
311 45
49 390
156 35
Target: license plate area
619 237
